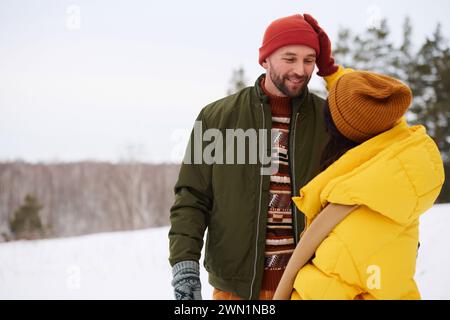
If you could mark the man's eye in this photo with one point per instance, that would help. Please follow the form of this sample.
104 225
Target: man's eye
310 61
289 60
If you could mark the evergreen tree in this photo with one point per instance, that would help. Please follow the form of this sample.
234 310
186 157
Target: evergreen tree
373 51
342 51
430 82
403 56
26 223
238 81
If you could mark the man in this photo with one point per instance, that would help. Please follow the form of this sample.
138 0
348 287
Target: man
252 224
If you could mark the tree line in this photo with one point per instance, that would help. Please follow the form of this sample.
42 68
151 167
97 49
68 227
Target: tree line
59 200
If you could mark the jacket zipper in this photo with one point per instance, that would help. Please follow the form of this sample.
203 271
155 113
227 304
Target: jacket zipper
293 188
259 212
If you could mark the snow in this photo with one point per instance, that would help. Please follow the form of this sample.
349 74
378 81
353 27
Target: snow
433 263
134 265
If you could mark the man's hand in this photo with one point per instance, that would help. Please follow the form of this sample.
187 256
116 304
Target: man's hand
186 281
325 60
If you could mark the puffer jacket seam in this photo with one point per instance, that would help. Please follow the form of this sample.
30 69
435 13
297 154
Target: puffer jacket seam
344 245
412 185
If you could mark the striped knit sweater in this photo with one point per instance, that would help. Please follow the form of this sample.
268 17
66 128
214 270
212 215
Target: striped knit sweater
279 233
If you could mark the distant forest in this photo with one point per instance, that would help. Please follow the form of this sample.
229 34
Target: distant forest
85 197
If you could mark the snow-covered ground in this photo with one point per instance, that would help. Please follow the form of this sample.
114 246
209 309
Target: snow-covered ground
134 265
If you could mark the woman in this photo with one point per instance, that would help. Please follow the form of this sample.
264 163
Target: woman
363 210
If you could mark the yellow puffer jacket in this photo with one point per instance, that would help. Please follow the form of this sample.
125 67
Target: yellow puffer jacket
394 177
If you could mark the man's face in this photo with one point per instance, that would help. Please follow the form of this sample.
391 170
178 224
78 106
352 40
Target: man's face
289 70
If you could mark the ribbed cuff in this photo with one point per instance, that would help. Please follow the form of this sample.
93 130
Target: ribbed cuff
186 266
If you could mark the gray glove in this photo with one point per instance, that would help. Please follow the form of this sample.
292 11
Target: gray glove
186 281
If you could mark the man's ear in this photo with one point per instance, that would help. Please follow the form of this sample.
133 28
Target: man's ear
265 64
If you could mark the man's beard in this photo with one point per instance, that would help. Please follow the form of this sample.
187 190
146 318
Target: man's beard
280 81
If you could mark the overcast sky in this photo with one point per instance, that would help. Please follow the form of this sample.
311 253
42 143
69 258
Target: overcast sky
106 80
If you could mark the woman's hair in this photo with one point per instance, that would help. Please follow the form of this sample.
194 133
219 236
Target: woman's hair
338 143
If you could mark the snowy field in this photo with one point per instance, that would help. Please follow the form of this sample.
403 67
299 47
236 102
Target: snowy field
134 265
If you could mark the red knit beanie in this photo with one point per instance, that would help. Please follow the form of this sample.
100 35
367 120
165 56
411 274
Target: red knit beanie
288 31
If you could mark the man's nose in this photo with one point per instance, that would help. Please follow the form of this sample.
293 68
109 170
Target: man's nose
299 69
